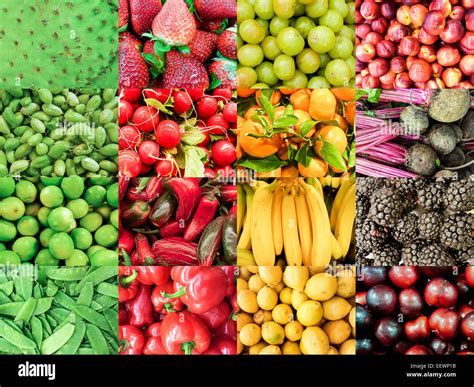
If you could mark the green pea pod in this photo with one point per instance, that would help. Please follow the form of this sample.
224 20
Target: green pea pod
64 300
59 100
48 141
46 171
52 110
42 116
59 168
96 340
109 94
73 116
11 144
26 135
25 101
23 286
112 105
68 273
45 96
112 131
109 166
90 164
37 125
41 162
112 319
72 99
70 168
107 289
93 103
106 301
100 137
26 311
8 348
35 139
81 108
53 123
30 109
91 316
21 130
109 150
61 316
7 287
72 345
82 150
106 116
37 331
58 149
22 151
97 156
15 337
99 275
4 127
9 117
19 166
59 338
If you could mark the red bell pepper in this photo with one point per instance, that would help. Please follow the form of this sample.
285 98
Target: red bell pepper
134 258
163 304
230 273
144 251
205 212
183 332
222 346
227 329
154 188
216 316
131 340
200 288
153 275
154 345
128 285
233 302
140 309
126 240
122 315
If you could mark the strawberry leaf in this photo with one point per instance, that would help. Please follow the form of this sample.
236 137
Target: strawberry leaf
160 46
190 4
215 82
154 63
123 28
183 49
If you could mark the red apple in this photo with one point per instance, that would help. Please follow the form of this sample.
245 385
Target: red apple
398 65
453 32
403 81
445 323
378 67
386 86
417 14
362 30
451 77
435 83
373 38
441 5
418 329
437 69
420 71
397 32
468 4
365 52
410 60
457 13
448 56
425 38
359 18
388 78
409 46
427 53
388 10
470 20
403 15
467 43
385 49
434 22
369 10
370 82
379 25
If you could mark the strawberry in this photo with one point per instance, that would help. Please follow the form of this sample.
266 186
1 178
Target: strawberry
223 73
143 12
216 26
227 43
184 72
123 15
174 25
131 38
133 70
216 9
154 61
203 45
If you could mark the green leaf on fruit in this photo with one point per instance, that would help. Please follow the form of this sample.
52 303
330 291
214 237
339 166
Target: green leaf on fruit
331 155
285 121
260 120
305 154
217 137
193 137
267 164
267 106
307 126
183 49
215 82
157 104
352 155
289 110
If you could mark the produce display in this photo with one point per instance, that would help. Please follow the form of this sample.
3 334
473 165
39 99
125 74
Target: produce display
177 43
177 221
52 310
411 310
296 310
415 222
63 132
412 133
422 44
297 132
59 220
177 311
288 220
295 44
180 132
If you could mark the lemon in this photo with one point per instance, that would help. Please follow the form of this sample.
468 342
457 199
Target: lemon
336 308
262 316
285 296
295 277
250 335
352 319
282 314
321 287
242 320
279 286
290 348
255 349
309 313
244 273
337 331
240 346
255 283
293 330
273 333
297 298
333 351
348 347
247 301
242 284
270 350
346 283
271 275
314 342
253 269
313 270
267 298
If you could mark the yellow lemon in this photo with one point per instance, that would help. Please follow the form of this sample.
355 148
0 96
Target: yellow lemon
309 313
352 319
297 298
290 348
346 283
333 351
242 320
282 314
285 296
314 342
295 277
250 335
321 287
336 308
242 284
253 269
255 283
293 330
247 301
270 350
337 331
262 316
273 333
244 273
255 349
267 298
279 286
348 347
271 275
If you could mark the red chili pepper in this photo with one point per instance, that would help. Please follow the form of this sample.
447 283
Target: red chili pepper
230 273
222 346
135 258
126 240
144 251
216 316
205 212
140 308
154 344
131 340
163 304
153 275
227 329
228 193
174 228
128 286
154 188
200 288
184 333
135 194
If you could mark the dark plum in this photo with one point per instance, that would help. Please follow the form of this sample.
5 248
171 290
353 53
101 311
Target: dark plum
373 275
411 303
404 276
440 292
388 331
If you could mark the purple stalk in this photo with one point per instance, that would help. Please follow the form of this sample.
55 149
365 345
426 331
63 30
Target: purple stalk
411 96
371 168
391 153
468 145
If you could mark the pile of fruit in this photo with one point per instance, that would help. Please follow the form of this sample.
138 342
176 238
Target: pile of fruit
71 221
290 132
183 310
296 44
289 219
415 44
296 310
415 310
177 221
166 132
188 44
422 222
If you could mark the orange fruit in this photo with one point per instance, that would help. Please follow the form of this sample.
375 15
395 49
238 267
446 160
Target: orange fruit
341 121
278 112
322 104
300 99
258 147
350 112
240 121
344 93
274 173
283 151
289 171
302 118
240 151
251 111
286 91
274 99
244 93
333 135
316 168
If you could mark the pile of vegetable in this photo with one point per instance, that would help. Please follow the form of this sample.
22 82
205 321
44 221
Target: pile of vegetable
166 132
177 221
296 310
286 133
58 310
177 311
58 132
410 133
423 44
296 44
59 220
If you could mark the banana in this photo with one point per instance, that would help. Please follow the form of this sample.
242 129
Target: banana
245 258
244 241
261 225
345 220
336 251
321 250
304 226
241 207
338 200
277 230
316 183
289 220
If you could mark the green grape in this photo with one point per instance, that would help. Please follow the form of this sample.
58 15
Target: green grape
338 72
247 77
284 67
284 8
244 11
304 24
318 83
317 8
339 6
342 48
350 18
324 59
307 61
351 62
250 55
290 41
277 24
264 9
270 47
332 19
251 31
321 39
300 9
299 81
266 74
265 24
348 32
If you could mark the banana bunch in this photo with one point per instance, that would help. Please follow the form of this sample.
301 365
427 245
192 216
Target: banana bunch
290 216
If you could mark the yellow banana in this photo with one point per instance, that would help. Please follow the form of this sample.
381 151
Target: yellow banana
338 200
245 258
277 230
316 183
345 220
321 250
289 220
336 250
261 225
304 226
244 241
241 207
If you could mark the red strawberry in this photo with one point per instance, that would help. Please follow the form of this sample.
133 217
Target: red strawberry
216 9
133 70
174 25
227 43
224 70
216 26
131 38
143 12
203 45
184 72
123 14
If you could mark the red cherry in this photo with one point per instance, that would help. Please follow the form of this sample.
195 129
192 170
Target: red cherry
181 102
206 107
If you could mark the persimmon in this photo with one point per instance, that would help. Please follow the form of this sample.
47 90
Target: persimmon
344 93
251 111
287 91
350 110
316 168
289 171
322 104
333 135
300 99
244 93
274 99
341 121
258 147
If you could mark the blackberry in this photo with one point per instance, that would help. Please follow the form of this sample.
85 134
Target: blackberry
429 224
386 255
362 208
430 195
407 187
411 252
460 195
406 229
386 207
367 185
456 231
426 254
369 235
465 256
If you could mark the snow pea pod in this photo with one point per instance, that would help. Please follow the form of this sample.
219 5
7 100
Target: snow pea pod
15 337
60 337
